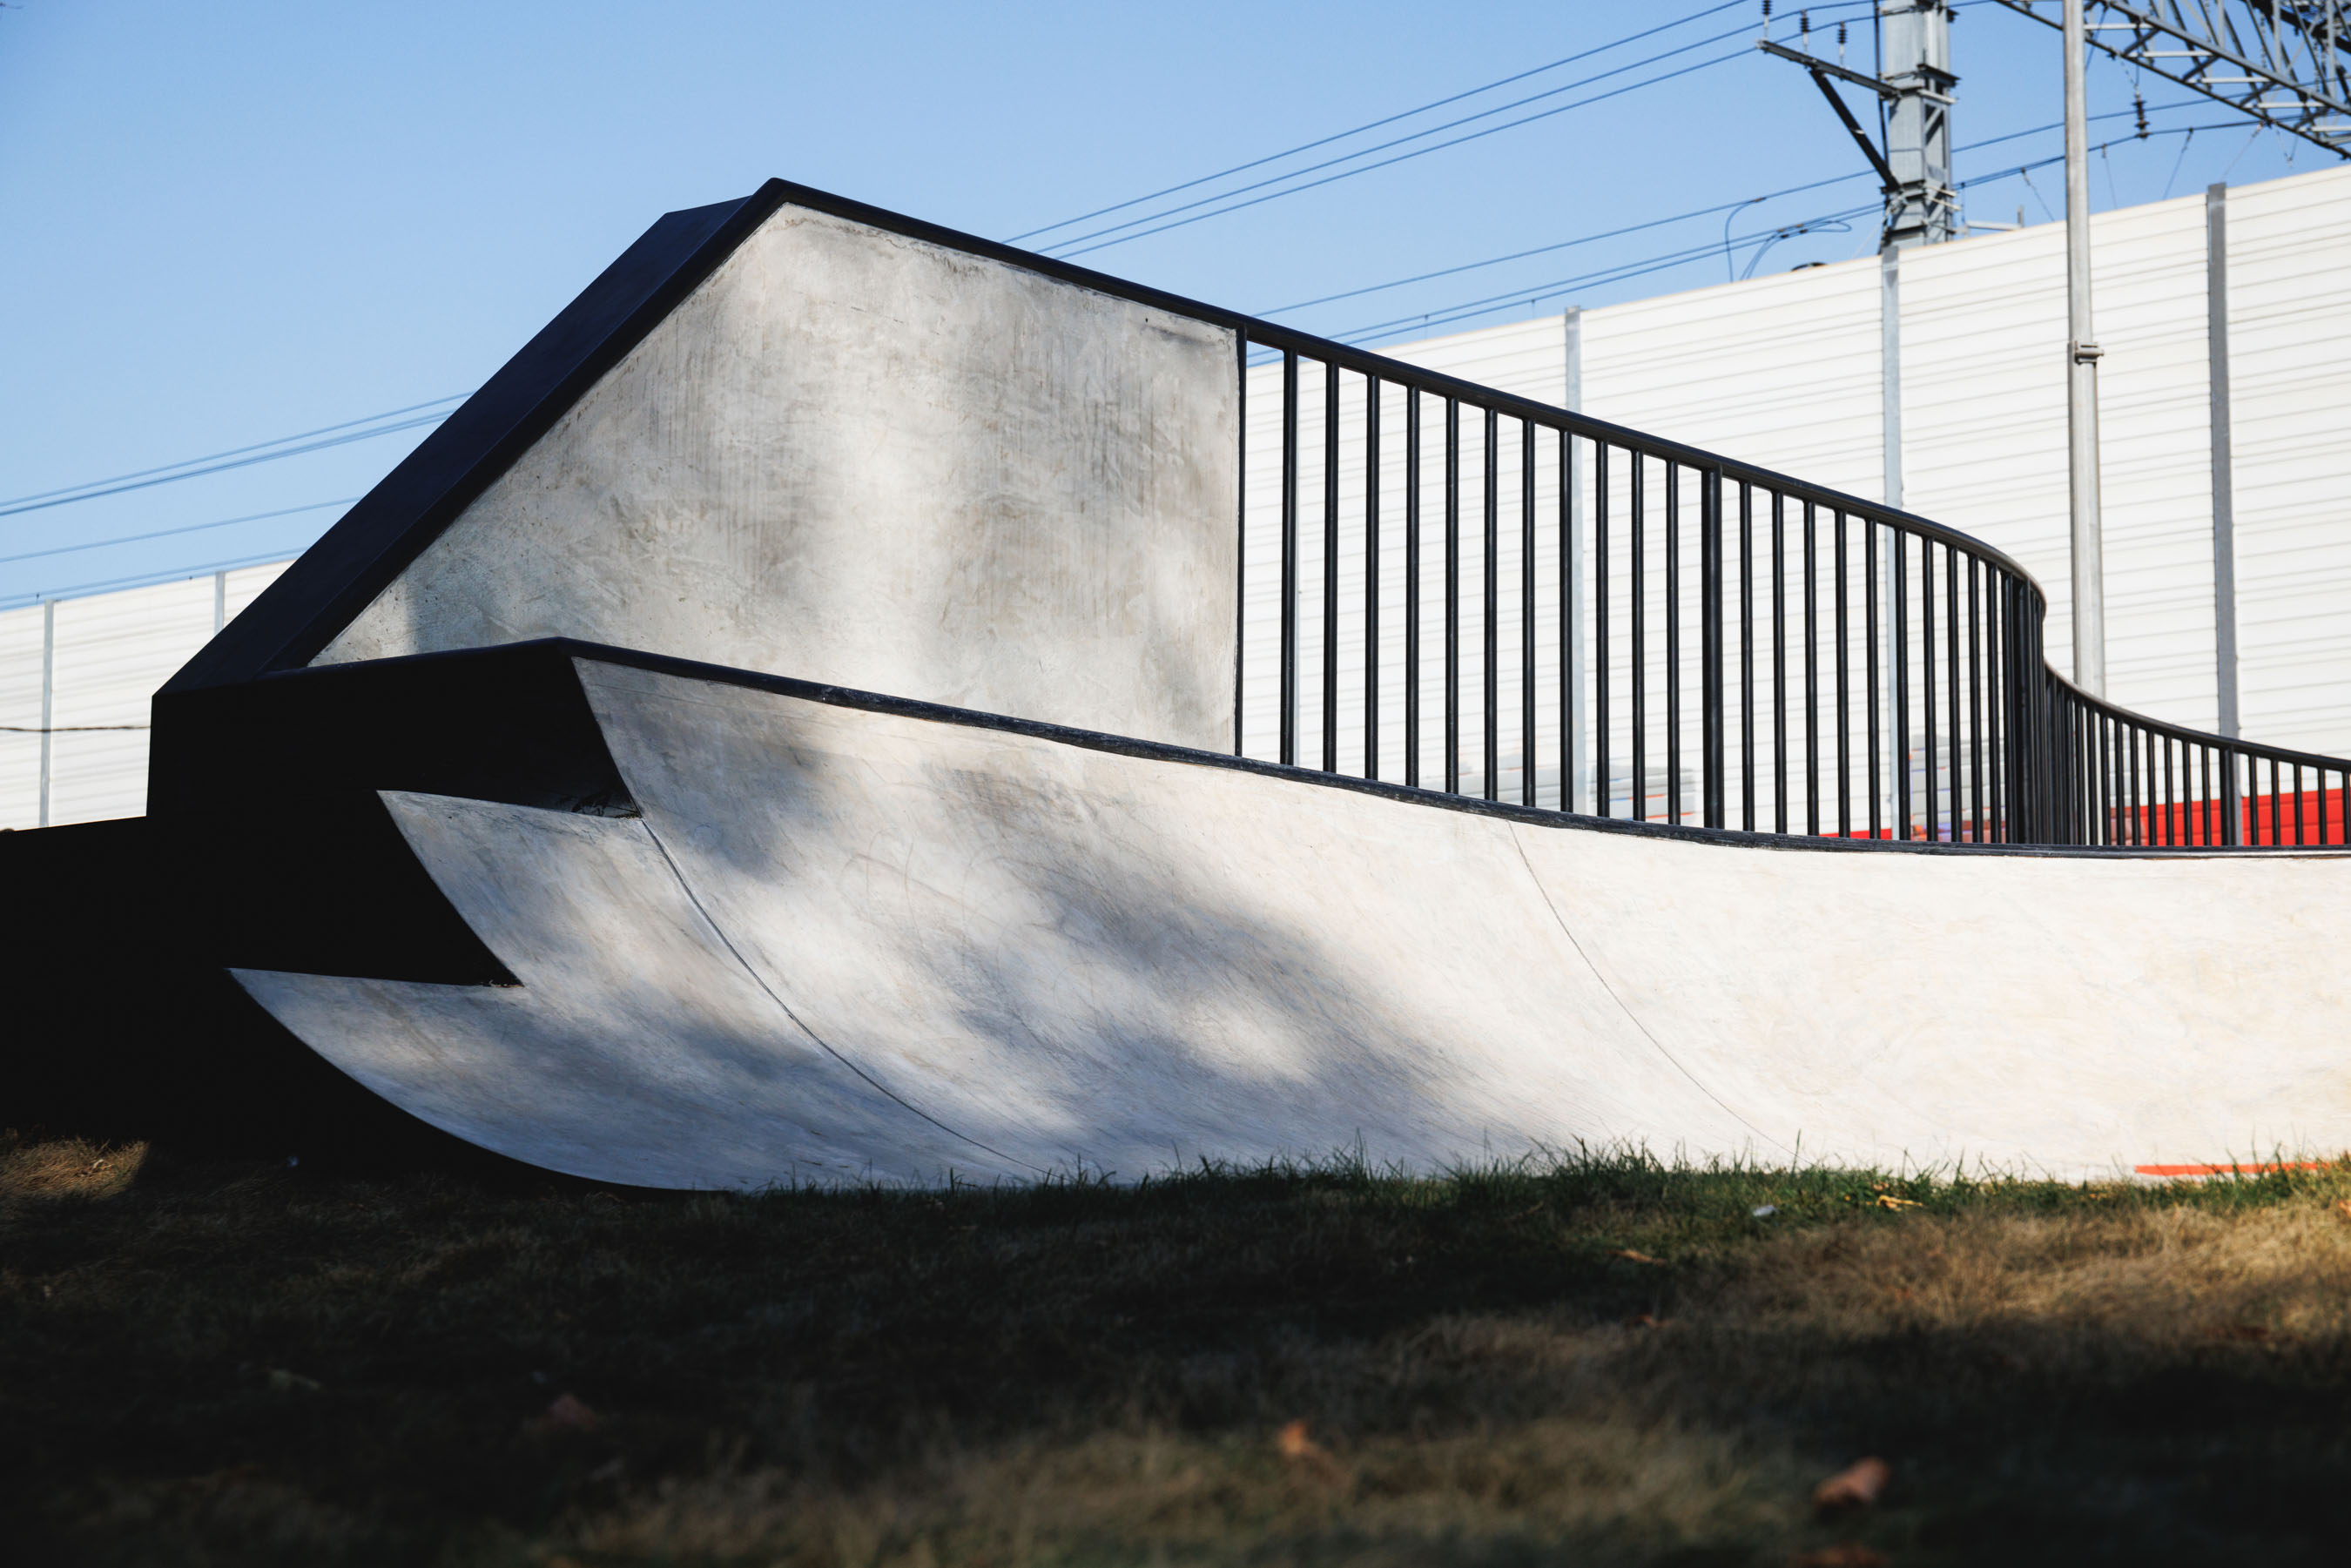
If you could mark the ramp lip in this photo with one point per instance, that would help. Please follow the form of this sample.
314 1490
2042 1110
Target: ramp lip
841 696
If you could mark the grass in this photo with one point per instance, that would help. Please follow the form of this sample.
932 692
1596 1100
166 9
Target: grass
1599 1361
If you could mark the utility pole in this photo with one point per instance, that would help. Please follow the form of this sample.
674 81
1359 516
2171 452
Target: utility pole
2082 354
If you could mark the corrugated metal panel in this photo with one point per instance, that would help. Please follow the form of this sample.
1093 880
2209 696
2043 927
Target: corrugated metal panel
20 710
112 651
1782 371
2290 345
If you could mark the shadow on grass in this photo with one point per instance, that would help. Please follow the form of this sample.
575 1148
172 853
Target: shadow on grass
1596 1358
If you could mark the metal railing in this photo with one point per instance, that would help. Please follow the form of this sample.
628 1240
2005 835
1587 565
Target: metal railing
1463 589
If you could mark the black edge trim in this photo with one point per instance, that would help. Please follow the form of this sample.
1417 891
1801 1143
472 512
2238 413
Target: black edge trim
1162 751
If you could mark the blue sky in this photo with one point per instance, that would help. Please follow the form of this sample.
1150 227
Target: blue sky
232 222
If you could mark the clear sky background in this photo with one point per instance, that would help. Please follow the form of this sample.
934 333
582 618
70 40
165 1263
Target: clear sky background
228 223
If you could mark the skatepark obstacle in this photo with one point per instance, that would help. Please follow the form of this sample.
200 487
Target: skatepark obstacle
851 700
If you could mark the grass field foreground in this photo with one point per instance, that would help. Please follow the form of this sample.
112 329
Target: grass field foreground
1592 1361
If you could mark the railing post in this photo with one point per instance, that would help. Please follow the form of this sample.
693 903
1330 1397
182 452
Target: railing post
2232 826
1710 697
1289 557
1241 545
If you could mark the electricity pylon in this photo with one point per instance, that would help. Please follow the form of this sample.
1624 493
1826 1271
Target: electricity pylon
2285 64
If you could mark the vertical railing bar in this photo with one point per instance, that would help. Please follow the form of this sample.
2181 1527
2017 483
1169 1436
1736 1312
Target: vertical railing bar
2200 833
1637 658
1951 680
1331 566
1371 577
1844 680
1452 596
1288 746
1713 720
1869 652
1567 621
2171 796
2012 703
1412 586
2232 815
1898 744
1778 663
1599 660
2103 828
1527 750
1492 628
1240 549
2298 812
2277 792
1975 703
1811 676
1746 656
1673 642
2138 820
1926 693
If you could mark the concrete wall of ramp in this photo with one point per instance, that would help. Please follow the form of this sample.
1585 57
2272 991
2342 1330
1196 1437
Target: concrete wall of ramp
843 942
856 458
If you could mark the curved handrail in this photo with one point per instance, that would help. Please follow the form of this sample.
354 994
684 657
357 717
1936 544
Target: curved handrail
1922 729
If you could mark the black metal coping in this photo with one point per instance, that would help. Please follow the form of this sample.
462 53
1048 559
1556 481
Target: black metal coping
517 657
328 586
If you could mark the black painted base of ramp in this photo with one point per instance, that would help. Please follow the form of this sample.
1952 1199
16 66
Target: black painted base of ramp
117 1034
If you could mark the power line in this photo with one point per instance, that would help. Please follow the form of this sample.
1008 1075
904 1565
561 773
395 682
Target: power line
321 446
140 580
174 533
1446 315
1399 158
1374 124
1062 246
1678 217
61 496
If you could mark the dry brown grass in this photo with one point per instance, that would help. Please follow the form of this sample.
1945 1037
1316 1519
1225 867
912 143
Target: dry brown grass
1602 1362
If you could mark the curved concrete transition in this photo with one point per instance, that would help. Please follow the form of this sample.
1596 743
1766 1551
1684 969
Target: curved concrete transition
842 942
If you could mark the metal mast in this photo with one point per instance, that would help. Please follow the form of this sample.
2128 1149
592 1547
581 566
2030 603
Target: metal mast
1915 89
1915 41
2082 353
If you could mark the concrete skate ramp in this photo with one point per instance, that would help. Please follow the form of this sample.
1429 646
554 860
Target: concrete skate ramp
846 939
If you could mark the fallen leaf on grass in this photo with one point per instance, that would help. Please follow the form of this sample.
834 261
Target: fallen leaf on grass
1887 1200
1856 1486
284 1382
1844 1555
1644 1321
1632 1257
1306 1453
567 1413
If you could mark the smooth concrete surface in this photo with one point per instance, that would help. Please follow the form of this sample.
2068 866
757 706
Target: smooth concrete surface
863 459
842 944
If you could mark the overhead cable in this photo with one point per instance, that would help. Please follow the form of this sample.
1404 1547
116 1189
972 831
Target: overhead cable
1375 124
